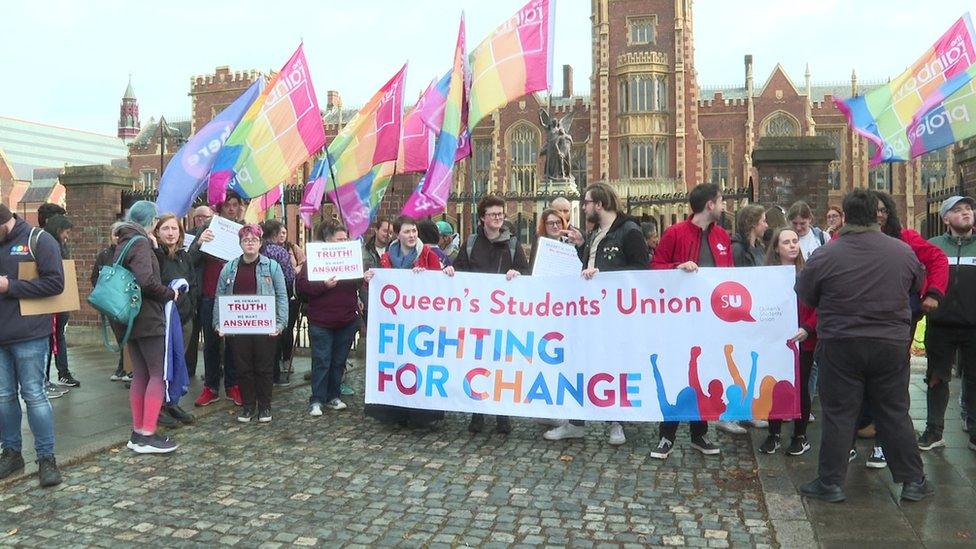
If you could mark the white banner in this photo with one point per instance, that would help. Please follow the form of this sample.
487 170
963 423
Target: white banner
226 244
246 314
555 258
626 346
342 260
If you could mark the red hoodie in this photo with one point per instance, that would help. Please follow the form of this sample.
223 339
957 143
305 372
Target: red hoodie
934 259
681 242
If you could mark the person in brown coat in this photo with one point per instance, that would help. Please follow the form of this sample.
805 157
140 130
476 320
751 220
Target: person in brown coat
146 343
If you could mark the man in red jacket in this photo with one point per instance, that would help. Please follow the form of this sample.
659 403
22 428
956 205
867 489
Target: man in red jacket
696 242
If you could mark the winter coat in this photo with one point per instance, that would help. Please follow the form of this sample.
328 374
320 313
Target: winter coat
426 258
180 266
744 255
141 261
681 242
15 328
623 248
958 307
492 256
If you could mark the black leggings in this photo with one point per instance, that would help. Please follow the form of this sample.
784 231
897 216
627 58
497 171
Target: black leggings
799 424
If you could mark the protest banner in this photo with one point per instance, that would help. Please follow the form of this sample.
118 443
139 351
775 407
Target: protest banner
624 346
225 245
555 258
246 314
342 260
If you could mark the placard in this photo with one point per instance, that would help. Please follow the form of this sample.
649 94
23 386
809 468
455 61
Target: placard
187 240
555 258
623 346
246 314
67 300
342 260
225 245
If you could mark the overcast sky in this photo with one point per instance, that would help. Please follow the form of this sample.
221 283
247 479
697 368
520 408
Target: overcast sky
66 62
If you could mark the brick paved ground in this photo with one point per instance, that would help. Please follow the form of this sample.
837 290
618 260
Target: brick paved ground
345 480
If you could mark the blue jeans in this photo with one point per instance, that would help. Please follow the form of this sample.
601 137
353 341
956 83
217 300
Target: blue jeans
211 351
330 349
22 371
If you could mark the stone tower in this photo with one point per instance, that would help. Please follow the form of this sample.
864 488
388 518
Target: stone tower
129 115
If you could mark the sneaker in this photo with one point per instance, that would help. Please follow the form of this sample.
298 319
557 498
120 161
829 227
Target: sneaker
48 474
135 440
346 390
616 434
852 456
11 461
155 444
757 423
264 416
181 415
817 489
798 446
477 423
126 377
336 404
234 393
52 392
167 421
246 414
503 425
663 450
315 410
812 418
564 431
730 427
877 459
117 376
207 397
67 380
770 445
930 440
917 491
703 445
283 381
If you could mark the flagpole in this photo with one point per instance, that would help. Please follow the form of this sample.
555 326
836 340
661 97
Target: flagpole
335 187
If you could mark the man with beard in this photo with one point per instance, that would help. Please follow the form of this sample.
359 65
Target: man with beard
616 243
699 241
952 326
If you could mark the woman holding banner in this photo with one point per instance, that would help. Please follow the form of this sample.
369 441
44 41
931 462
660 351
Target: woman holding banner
784 249
406 252
333 319
551 225
253 274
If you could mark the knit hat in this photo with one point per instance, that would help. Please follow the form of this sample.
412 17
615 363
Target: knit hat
445 228
5 214
142 213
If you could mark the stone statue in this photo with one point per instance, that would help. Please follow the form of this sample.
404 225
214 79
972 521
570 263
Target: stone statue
559 145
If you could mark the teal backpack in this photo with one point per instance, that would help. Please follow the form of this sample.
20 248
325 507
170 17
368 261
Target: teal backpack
117 296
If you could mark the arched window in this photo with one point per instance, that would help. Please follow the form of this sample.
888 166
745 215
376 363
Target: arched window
661 159
661 93
524 152
782 125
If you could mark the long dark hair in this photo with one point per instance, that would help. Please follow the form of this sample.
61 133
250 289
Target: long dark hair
893 226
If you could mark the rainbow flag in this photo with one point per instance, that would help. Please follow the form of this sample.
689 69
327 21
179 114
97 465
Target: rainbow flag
417 141
371 138
262 207
952 120
430 196
358 200
891 114
515 59
280 130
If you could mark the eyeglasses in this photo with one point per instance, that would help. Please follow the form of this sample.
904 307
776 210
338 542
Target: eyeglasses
554 223
587 201
250 241
495 215
883 211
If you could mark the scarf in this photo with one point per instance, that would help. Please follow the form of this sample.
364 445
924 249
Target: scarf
398 259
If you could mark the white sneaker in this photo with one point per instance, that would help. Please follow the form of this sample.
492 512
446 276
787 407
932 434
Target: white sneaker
315 410
730 427
567 430
616 434
551 422
812 418
336 404
758 423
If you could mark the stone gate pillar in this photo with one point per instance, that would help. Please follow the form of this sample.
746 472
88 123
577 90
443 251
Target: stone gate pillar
93 198
791 169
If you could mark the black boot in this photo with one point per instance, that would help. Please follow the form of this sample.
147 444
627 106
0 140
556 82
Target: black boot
503 425
47 472
818 489
477 423
181 415
917 491
10 462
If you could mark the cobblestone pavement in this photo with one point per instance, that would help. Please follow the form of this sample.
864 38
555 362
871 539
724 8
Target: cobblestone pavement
342 479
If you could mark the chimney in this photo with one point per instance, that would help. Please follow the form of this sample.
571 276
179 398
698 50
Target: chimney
332 99
567 81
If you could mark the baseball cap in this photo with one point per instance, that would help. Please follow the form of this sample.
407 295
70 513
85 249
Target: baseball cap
445 228
951 202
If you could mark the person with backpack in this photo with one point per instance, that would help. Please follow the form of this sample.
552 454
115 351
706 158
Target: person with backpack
811 237
146 342
24 345
616 243
491 249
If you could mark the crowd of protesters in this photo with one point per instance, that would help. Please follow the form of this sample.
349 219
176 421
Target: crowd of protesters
863 283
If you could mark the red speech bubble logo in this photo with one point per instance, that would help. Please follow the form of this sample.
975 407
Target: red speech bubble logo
732 302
